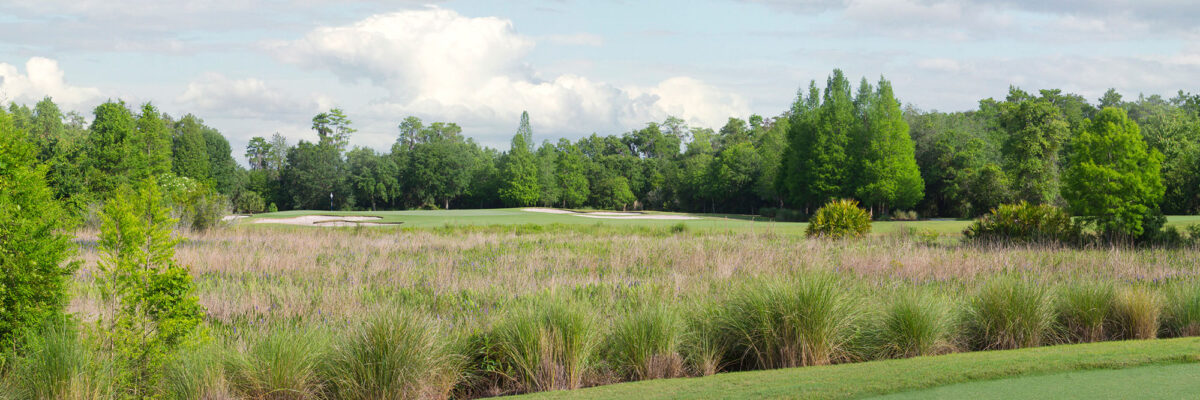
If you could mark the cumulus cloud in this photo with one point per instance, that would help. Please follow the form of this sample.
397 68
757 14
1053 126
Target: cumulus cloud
246 98
42 78
473 70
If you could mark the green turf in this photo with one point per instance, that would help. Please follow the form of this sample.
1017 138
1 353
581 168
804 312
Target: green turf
1172 381
731 222
858 380
515 216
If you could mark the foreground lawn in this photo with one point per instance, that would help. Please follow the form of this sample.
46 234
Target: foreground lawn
1170 381
867 379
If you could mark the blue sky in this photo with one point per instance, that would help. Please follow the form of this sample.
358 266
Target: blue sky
252 68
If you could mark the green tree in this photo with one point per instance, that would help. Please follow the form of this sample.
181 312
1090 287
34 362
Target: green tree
315 176
223 171
1036 130
886 167
547 160
819 165
570 174
519 175
372 177
1114 180
189 151
732 173
333 128
155 307
151 145
34 246
108 159
613 192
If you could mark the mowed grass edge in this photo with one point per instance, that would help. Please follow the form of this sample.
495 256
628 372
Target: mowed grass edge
858 380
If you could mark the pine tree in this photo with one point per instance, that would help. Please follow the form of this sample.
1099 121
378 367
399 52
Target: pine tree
886 169
519 178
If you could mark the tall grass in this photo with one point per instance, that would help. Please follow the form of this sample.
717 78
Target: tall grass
788 323
197 373
1137 311
645 343
57 364
548 345
1085 309
704 347
403 355
913 324
281 364
1009 314
1181 316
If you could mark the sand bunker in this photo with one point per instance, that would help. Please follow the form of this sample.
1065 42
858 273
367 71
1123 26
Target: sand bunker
548 210
320 220
608 214
229 218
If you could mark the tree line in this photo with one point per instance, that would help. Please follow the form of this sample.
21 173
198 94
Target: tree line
834 142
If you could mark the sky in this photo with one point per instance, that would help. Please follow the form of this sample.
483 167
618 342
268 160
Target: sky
252 68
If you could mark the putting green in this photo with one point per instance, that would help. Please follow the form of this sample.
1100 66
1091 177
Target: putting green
1172 381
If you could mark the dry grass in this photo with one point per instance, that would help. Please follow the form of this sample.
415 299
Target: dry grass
257 275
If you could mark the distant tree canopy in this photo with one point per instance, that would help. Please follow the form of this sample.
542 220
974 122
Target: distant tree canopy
835 141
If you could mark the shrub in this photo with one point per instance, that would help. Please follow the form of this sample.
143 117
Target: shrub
1024 223
904 215
396 356
1009 314
839 219
913 324
1181 316
156 308
1136 312
58 364
1084 310
788 324
679 228
645 344
272 208
34 248
549 345
250 202
280 364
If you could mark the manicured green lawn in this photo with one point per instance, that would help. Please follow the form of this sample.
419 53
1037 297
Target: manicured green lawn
731 222
858 380
515 216
1173 381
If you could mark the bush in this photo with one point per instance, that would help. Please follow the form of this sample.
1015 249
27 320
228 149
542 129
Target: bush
904 215
645 344
549 345
1010 314
397 356
839 219
272 208
1136 312
1181 316
34 246
913 324
250 202
1085 309
788 324
281 364
1024 223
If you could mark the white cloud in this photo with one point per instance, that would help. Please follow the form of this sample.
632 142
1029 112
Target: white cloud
247 98
437 63
42 78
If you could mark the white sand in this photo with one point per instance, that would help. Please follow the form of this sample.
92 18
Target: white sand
548 210
607 214
319 220
637 216
228 218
